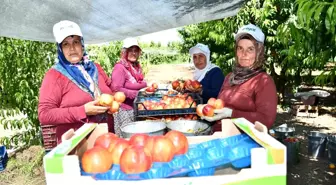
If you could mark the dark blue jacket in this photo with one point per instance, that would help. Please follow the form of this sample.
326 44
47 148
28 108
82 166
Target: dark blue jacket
212 83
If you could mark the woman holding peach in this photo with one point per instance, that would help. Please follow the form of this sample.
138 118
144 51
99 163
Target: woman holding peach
70 89
209 75
248 91
127 77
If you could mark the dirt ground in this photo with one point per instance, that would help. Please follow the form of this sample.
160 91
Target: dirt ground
27 167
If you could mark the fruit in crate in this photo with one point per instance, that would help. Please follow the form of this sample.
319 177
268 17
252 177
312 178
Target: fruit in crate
135 159
96 160
138 139
150 90
118 149
208 110
105 100
179 141
155 85
106 141
176 84
119 97
162 149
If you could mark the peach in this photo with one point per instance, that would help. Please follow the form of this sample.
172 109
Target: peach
219 104
211 102
208 110
196 84
199 110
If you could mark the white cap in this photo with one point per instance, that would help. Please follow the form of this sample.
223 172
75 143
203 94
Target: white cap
200 48
253 30
64 29
129 42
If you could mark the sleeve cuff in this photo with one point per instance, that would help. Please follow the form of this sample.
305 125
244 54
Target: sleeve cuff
81 115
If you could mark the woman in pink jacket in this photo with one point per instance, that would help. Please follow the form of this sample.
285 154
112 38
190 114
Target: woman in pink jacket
248 91
127 77
69 89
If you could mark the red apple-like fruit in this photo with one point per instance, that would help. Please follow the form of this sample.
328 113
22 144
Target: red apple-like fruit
119 97
175 84
96 160
105 140
196 84
162 149
208 110
135 159
119 147
150 89
105 100
138 139
179 140
187 83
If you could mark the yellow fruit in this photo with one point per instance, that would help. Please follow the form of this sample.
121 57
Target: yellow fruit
331 166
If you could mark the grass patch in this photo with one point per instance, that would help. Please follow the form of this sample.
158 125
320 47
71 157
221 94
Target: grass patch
25 167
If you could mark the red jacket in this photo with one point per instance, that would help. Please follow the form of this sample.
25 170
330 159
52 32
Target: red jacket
255 100
61 102
123 81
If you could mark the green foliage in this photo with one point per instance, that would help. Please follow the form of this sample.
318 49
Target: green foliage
300 39
152 54
22 67
106 55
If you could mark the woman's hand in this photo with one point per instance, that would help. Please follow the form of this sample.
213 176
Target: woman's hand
191 89
219 114
92 108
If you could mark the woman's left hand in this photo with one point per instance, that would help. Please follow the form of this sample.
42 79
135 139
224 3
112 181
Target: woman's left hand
219 114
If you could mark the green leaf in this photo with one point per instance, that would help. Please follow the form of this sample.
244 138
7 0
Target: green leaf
317 14
328 20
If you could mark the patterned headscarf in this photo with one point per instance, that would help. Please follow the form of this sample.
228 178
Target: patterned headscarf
242 74
133 67
75 72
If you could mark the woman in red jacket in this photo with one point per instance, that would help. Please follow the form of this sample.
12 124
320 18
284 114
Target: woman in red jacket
127 77
248 91
69 89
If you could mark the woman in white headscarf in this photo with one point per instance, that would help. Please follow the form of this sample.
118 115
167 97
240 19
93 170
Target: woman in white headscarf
209 75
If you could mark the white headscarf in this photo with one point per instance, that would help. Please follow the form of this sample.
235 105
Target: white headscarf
204 49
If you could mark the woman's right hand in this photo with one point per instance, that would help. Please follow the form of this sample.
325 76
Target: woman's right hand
92 108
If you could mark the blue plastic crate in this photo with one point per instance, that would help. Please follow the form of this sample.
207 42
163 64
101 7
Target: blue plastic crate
3 158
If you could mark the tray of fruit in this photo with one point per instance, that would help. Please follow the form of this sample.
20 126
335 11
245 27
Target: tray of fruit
179 104
154 91
186 85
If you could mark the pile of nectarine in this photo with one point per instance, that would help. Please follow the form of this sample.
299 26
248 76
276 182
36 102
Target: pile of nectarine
135 155
179 101
208 109
190 85
174 117
111 101
151 89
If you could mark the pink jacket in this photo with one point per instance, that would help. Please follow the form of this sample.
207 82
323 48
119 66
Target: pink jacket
123 81
255 100
61 102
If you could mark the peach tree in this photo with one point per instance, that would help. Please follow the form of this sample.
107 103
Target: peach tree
22 67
